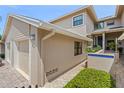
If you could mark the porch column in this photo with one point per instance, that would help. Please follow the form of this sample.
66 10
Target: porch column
96 40
93 41
116 45
103 42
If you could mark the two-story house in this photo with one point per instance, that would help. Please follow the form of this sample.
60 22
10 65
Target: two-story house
41 51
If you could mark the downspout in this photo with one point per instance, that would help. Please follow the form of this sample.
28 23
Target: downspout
44 56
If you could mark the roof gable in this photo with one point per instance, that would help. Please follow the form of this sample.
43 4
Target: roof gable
88 8
43 25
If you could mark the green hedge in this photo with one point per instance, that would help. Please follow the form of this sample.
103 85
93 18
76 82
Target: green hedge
2 56
91 78
93 50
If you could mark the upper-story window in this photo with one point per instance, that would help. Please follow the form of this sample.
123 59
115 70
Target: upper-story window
110 23
78 20
99 25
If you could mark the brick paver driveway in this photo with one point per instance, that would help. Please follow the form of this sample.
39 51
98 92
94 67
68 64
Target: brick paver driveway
10 78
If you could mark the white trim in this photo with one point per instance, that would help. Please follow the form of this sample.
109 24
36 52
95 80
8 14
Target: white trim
121 37
48 36
103 42
35 23
82 8
107 30
49 27
67 14
22 39
83 14
23 73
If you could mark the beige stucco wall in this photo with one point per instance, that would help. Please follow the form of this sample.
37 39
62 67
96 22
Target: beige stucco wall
18 31
117 22
84 29
57 51
67 23
89 24
19 57
59 54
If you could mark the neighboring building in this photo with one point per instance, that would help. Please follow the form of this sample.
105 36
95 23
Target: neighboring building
2 47
41 51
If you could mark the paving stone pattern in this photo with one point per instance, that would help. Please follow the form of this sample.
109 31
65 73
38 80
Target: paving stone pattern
62 80
10 78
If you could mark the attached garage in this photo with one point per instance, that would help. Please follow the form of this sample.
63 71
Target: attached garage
23 56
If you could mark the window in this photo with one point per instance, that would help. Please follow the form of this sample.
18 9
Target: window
78 20
99 25
109 23
77 48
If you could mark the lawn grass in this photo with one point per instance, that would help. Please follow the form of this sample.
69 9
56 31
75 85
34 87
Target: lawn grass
91 78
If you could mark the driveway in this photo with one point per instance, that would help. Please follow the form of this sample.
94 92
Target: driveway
10 78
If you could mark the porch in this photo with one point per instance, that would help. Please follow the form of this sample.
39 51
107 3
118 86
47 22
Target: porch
109 41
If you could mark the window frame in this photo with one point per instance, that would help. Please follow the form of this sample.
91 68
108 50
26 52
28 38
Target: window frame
78 48
110 23
82 14
99 25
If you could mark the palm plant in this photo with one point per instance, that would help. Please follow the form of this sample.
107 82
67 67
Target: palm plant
111 45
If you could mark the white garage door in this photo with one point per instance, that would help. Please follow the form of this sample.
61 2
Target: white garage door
24 56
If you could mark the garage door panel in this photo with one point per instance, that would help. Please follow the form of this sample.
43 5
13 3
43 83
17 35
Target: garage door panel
24 56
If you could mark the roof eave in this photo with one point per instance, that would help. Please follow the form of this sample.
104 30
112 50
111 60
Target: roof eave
60 30
44 25
82 8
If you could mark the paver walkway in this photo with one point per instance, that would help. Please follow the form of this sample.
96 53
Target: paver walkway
10 78
65 78
117 72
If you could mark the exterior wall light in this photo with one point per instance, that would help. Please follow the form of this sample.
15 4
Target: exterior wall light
32 36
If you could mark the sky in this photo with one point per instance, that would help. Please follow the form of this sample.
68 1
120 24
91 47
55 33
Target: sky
47 13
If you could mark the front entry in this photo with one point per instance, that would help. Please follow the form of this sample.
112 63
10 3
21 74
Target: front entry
98 41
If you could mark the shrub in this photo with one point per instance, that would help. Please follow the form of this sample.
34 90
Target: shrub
2 56
111 45
91 78
93 50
